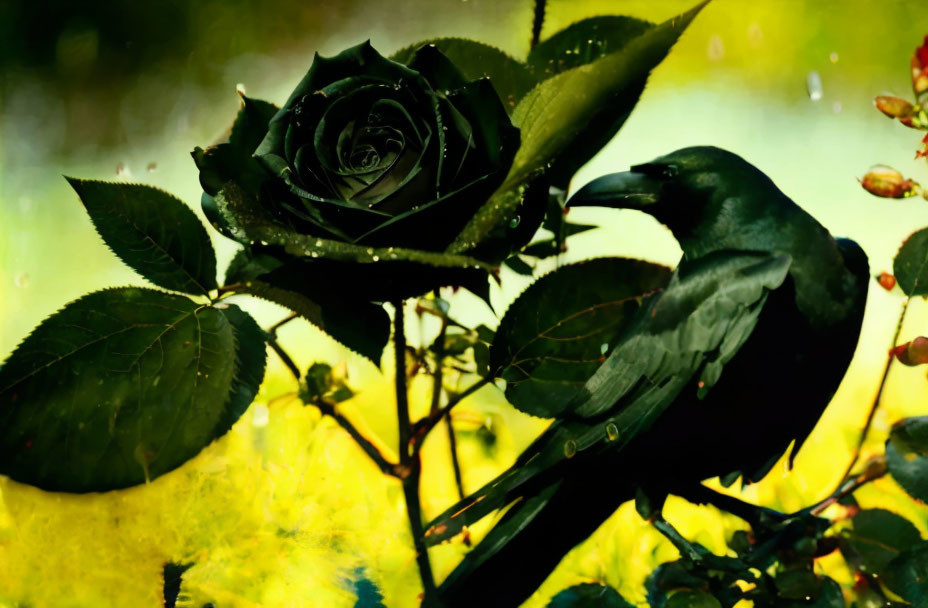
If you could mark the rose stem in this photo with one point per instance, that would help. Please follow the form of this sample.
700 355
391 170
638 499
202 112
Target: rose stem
436 401
410 463
876 399
537 21
327 409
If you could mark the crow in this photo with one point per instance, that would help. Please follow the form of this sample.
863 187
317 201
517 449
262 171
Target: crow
715 375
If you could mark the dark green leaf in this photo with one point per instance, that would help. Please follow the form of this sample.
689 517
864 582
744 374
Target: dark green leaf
589 595
250 124
692 598
797 583
566 119
506 223
877 537
911 264
152 232
250 363
252 223
907 455
907 575
509 77
120 387
826 593
584 42
557 333
367 592
362 326
518 265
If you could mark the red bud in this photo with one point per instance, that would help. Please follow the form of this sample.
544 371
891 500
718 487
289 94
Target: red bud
920 68
923 151
888 183
894 107
886 281
912 353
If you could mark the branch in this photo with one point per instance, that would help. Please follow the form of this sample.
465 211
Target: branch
538 21
876 400
385 466
436 401
424 426
875 469
410 465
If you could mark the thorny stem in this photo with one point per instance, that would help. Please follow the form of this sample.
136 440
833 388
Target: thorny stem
436 401
327 409
538 21
410 465
876 399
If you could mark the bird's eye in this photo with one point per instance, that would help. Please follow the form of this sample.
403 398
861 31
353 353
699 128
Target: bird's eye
657 170
669 171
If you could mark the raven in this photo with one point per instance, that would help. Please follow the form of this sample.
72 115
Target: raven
714 375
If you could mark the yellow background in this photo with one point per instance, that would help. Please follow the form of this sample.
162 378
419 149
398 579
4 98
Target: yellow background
284 509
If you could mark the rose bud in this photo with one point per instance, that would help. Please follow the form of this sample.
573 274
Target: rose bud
894 107
920 69
888 183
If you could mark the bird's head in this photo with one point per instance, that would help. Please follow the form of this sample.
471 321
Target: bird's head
709 198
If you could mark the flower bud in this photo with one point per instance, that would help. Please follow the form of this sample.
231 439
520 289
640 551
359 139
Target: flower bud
894 107
888 183
920 69
912 353
886 281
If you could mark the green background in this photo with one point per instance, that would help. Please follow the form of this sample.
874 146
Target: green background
285 510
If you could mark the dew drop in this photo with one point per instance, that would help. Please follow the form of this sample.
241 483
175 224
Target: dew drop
514 222
376 258
21 280
370 251
315 254
716 50
814 86
318 242
604 348
260 415
570 448
833 57
612 431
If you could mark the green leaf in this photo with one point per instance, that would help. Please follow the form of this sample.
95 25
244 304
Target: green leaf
154 233
509 77
907 455
250 124
911 264
122 386
557 333
250 364
877 537
362 326
568 118
589 595
584 42
907 575
518 265
692 598
252 223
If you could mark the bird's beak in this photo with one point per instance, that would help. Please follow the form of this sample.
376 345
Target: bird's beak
626 190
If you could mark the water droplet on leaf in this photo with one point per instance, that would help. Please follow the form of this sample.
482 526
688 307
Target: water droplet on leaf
570 448
612 431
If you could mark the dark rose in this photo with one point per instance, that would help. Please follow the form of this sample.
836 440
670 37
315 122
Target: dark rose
366 153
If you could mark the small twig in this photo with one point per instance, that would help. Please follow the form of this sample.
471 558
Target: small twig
875 469
272 330
425 425
436 401
284 357
876 400
410 465
455 463
387 467
538 20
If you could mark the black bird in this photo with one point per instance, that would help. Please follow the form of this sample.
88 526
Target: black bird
714 375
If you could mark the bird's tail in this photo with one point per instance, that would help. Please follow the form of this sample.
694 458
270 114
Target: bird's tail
538 529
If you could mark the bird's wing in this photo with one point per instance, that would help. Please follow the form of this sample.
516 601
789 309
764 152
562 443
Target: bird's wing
688 331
